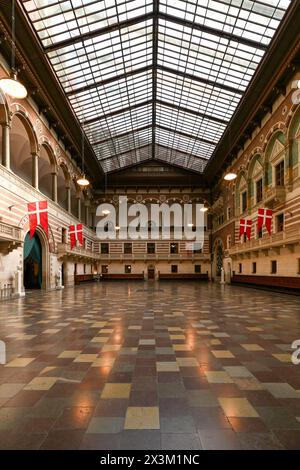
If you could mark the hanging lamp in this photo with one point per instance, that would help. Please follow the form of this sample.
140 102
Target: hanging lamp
12 86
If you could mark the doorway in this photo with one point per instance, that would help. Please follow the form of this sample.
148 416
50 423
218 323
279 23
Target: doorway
33 272
151 273
63 274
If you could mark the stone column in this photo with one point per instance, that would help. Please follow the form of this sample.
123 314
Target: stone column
5 146
79 208
69 208
93 214
35 170
54 187
86 215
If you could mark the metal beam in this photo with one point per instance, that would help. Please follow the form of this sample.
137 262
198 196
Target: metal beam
139 129
163 103
213 31
184 134
199 80
181 152
107 81
123 153
117 136
194 113
98 32
274 66
154 71
115 113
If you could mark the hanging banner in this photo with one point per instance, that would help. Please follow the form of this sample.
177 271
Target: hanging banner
265 217
76 234
245 228
38 216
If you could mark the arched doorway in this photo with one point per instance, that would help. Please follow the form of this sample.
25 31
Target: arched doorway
218 256
151 272
33 264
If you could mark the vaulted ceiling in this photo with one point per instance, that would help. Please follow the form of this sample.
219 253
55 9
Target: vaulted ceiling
154 79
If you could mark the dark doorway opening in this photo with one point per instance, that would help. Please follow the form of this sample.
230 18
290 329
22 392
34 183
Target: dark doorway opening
32 262
151 273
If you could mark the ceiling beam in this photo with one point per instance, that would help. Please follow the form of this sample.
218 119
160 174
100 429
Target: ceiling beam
205 81
107 81
98 32
204 160
163 103
274 66
117 136
184 134
154 70
37 73
125 151
191 111
212 31
116 112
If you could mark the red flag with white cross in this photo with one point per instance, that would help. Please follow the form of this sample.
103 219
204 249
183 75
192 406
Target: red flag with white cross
265 217
38 216
245 227
76 234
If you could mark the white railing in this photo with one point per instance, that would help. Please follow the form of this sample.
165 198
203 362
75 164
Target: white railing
64 249
289 236
10 232
6 291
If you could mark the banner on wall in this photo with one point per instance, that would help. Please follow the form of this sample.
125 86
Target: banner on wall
265 217
38 216
76 235
245 228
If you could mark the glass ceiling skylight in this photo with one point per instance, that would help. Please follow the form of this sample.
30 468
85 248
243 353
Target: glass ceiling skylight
155 79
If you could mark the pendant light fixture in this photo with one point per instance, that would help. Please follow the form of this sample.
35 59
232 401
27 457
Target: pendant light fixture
12 86
82 180
230 176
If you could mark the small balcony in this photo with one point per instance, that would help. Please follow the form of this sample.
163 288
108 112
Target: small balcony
64 251
275 196
154 257
288 238
10 238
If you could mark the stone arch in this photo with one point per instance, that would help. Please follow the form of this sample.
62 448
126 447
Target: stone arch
75 192
23 144
47 166
293 135
275 145
63 182
241 183
23 116
50 154
217 257
4 110
255 172
45 257
65 169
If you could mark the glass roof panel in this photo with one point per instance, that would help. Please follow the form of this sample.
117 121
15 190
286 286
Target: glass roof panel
254 20
58 20
138 85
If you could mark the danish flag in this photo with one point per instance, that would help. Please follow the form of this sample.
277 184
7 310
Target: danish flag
38 215
245 227
75 232
265 217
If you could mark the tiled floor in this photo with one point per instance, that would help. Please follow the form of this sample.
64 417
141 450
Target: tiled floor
148 366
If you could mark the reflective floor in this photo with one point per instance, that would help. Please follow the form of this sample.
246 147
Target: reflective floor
150 366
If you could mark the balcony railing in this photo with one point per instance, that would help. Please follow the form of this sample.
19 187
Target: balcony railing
275 195
10 237
152 256
64 249
289 236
